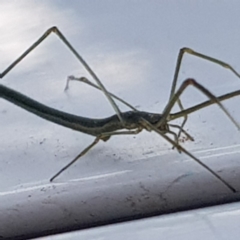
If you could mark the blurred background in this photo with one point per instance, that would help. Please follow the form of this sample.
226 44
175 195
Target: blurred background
132 46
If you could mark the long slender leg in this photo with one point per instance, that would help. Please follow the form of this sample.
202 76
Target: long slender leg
199 106
85 80
181 149
200 55
175 97
177 68
76 158
77 55
105 137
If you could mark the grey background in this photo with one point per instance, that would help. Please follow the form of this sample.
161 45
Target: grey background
132 46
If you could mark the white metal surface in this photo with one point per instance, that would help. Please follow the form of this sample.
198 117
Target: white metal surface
212 223
142 190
